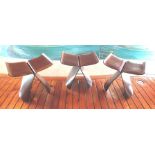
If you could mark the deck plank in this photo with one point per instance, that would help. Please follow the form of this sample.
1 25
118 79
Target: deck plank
150 82
79 96
129 100
144 86
101 94
62 100
121 97
5 86
68 101
49 98
56 96
82 98
140 97
108 96
9 88
9 95
115 97
89 99
95 95
75 95
3 82
145 96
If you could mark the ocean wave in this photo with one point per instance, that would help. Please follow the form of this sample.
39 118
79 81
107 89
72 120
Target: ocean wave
17 52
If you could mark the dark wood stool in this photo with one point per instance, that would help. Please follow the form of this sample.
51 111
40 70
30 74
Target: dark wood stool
78 62
123 68
29 70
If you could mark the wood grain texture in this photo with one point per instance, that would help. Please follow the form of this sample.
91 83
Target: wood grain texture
79 96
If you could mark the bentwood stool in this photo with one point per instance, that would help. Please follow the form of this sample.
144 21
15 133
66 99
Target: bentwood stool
29 70
123 68
78 62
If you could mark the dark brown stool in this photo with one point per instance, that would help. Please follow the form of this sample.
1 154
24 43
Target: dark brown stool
78 62
123 67
29 70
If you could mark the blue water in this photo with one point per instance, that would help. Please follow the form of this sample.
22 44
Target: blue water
54 52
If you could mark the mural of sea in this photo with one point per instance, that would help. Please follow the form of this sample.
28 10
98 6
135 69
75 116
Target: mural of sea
54 51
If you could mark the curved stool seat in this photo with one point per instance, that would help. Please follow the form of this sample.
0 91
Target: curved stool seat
78 62
29 70
123 68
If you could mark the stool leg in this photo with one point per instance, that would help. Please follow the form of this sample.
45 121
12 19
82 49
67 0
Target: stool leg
25 89
110 81
87 77
127 85
71 76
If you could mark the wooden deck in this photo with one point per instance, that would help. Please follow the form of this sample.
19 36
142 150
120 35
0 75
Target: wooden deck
79 97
